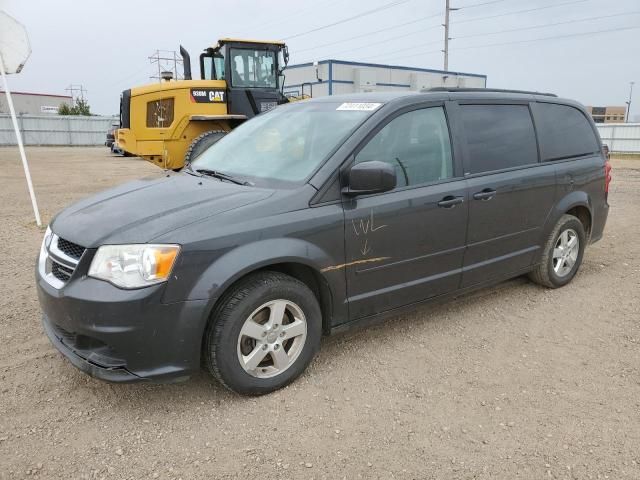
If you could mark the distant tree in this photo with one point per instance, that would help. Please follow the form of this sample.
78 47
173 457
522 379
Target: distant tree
64 109
81 107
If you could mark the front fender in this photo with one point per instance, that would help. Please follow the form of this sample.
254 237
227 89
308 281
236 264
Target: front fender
244 259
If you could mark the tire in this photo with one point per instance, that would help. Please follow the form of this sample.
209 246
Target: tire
201 143
276 352
554 270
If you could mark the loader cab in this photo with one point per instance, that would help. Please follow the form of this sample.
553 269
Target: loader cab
252 70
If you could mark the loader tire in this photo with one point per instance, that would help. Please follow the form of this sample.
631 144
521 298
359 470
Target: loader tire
201 143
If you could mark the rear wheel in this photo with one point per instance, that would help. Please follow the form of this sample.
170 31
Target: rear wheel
562 254
201 143
264 334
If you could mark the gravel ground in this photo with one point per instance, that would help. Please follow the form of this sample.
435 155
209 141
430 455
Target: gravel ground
514 381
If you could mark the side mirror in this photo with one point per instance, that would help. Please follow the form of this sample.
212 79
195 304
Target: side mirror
370 177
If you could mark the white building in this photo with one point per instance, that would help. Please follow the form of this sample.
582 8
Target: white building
333 77
34 103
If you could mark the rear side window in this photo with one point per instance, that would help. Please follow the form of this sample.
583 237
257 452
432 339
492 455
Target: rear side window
564 132
499 136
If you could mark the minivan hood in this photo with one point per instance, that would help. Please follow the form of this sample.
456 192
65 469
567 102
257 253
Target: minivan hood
139 211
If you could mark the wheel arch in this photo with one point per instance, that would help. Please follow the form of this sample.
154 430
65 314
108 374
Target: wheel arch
295 257
576 203
582 213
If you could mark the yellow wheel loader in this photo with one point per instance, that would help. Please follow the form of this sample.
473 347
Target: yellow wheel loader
172 122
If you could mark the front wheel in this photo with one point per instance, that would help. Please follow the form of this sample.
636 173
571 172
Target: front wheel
264 334
562 253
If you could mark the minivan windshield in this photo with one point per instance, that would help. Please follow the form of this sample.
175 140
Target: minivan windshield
285 144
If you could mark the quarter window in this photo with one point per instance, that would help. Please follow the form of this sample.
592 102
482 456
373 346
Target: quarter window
416 144
499 136
564 132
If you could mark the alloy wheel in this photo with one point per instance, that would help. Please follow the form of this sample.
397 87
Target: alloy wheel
272 338
565 252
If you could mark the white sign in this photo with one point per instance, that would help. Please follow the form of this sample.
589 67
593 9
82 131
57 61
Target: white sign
14 43
48 109
365 107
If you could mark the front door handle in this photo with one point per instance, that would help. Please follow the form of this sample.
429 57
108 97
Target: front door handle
486 194
450 201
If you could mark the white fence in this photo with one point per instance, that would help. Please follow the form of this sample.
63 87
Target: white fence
76 130
620 137
56 129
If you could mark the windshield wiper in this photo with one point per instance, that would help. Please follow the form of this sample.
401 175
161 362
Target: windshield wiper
222 176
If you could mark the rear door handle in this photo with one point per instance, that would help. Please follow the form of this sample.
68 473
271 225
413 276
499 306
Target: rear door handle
486 194
450 201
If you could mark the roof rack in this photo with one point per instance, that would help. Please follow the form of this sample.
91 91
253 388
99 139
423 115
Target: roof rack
498 90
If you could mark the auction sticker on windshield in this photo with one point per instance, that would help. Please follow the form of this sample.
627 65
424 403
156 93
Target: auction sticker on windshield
359 106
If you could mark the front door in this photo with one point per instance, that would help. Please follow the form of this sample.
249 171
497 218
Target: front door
407 245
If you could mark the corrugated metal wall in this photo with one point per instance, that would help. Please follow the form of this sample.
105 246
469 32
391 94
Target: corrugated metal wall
56 129
620 137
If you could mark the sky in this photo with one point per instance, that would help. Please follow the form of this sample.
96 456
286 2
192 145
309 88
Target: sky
588 50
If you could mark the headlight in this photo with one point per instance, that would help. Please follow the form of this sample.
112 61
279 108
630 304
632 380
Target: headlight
134 266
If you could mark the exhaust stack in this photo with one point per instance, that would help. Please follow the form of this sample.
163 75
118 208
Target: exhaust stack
186 62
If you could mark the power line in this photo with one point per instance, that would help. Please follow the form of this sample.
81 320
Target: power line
595 32
386 29
504 31
479 4
413 46
257 27
348 19
368 34
520 11
532 27
552 38
275 21
386 40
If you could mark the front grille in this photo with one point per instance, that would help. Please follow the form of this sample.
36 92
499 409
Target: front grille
61 272
71 249
58 262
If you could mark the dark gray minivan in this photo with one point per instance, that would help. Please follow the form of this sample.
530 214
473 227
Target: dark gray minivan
314 217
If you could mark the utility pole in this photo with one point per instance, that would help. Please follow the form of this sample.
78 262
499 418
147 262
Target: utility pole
448 9
626 120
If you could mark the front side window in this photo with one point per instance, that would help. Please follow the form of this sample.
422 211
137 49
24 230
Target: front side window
499 136
253 68
285 144
416 144
564 132
160 113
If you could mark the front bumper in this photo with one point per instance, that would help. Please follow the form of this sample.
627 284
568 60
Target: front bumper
123 335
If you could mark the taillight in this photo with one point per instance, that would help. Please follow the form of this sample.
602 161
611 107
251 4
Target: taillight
607 176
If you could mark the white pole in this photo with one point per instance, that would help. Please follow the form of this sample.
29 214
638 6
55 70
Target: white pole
20 145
